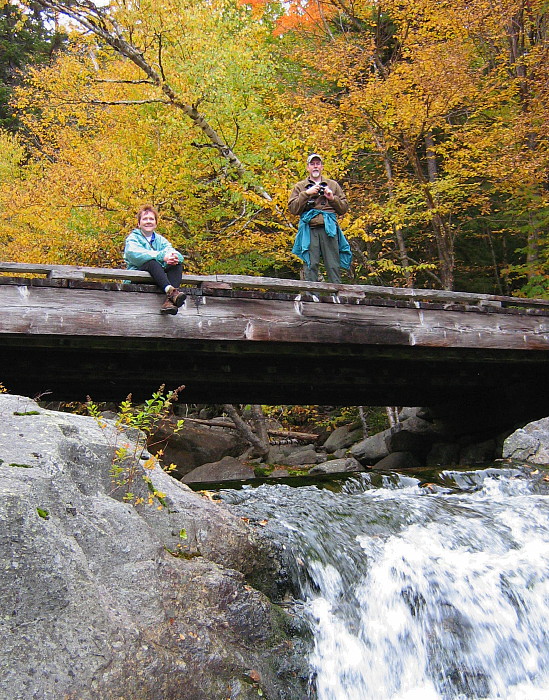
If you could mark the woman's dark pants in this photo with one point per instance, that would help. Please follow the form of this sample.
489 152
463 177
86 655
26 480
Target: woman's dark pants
163 277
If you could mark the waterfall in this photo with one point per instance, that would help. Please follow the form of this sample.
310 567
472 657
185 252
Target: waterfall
427 592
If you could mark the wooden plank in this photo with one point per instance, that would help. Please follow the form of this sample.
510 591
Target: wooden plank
290 285
99 313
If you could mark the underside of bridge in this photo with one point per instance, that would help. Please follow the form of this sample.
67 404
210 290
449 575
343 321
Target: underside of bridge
66 339
70 369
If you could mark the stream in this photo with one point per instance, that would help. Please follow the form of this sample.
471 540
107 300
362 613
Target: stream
416 589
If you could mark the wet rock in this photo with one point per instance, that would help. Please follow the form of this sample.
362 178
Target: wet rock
335 466
529 444
398 460
226 469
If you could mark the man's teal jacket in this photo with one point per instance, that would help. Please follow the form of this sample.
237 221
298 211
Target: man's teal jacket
302 242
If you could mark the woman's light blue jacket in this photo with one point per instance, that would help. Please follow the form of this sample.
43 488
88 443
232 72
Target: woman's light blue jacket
138 250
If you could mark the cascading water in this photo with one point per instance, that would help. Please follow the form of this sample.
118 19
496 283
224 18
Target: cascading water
420 592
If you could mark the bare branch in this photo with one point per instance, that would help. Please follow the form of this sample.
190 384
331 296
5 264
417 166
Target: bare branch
123 82
237 132
202 145
127 102
160 58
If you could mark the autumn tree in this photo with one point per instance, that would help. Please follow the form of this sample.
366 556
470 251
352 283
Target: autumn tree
433 115
153 103
25 39
431 109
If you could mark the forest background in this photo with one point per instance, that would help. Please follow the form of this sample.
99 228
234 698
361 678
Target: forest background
433 116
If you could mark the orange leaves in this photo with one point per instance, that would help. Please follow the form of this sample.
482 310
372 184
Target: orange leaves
311 15
305 15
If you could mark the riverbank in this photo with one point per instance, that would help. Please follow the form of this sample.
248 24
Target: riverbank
119 581
161 594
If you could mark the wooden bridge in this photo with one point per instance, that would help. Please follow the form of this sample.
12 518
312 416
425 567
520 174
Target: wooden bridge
68 332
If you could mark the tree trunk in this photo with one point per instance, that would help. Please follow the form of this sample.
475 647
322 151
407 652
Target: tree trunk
532 250
392 415
365 430
432 167
260 424
261 448
443 234
397 229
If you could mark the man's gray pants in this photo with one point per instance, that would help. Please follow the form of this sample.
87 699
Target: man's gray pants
327 247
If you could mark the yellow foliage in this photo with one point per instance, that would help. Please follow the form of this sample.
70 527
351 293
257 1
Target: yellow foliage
430 114
103 140
12 154
433 113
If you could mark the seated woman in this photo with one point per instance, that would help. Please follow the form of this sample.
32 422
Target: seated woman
149 251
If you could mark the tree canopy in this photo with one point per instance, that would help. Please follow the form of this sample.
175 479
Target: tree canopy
432 115
25 38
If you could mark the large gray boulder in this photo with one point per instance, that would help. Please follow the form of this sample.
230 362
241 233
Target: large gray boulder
105 599
398 460
342 437
303 455
414 412
277 453
195 444
226 469
336 466
529 444
413 435
371 449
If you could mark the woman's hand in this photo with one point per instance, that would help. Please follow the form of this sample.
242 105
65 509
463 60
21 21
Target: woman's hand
171 258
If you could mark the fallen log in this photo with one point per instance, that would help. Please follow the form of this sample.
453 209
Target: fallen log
291 434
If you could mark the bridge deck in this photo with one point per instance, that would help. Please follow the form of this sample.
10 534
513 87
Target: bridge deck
246 339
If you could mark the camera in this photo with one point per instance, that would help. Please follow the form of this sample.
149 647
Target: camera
311 202
322 184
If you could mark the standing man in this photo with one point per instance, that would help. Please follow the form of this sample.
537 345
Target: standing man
318 202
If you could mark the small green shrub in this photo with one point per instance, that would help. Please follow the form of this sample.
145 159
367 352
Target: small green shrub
144 418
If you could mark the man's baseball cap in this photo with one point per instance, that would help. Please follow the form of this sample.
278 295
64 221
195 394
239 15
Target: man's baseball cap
313 155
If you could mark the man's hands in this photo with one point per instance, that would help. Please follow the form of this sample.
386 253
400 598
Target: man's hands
314 189
171 258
